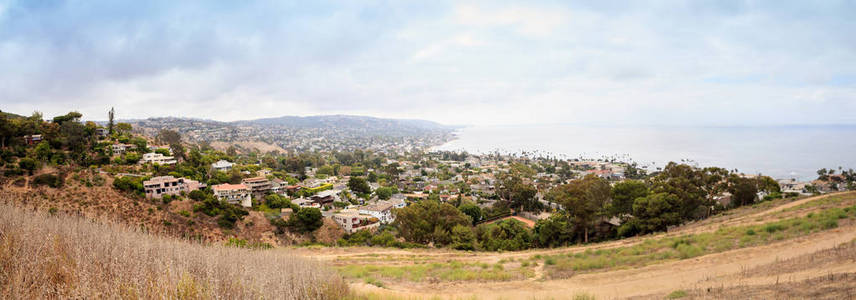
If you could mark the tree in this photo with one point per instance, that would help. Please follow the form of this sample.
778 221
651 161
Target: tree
463 238
123 128
306 219
277 201
386 192
27 164
507 235
822 174
110 115
518 194
713 184
472 210
685 182
169 137
769 185
359 185
743 190
623 195
43 151
7 130
583 200
429 221
71 116
655 212
554 231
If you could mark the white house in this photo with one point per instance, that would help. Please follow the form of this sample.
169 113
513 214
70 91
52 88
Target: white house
382 210
121 148
233 193
157 158
156 187
222 166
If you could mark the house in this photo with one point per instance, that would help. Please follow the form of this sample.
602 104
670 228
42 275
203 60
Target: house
352 221
398 202
306 202
794 186
168 185
33 139
121 148
101 132
234 194
277 186
222 166
258 185
157 158
325 198
382 210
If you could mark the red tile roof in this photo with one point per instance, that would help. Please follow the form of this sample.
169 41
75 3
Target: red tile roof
227 186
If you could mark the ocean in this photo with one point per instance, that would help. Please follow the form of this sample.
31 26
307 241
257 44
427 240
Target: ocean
778 151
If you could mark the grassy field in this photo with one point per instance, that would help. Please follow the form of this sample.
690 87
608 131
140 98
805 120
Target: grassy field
433 272
46 256
653 251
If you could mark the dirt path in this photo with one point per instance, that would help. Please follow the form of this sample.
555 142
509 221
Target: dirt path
715 270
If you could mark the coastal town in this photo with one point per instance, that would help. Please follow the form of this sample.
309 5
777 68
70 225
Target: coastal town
362 189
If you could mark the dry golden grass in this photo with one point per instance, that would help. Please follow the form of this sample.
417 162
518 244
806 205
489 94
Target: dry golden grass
44 256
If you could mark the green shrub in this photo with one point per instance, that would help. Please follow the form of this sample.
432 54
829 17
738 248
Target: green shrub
829 223
677 294
771 228
50 180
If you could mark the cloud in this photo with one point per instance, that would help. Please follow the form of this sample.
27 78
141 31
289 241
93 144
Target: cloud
479 62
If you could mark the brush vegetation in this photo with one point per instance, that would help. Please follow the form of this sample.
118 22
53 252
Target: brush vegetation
47 256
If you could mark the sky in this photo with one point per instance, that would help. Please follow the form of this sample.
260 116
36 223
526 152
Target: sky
454 62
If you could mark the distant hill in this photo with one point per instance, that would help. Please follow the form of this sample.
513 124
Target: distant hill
327 132
345 120
11 115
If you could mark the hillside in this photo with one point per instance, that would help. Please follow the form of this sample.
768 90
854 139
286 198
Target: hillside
59 256
92 195
782 249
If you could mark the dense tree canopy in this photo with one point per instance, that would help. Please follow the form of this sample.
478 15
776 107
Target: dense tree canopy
429 221
584 200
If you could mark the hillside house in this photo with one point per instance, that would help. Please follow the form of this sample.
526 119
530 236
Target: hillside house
234 194
33 139
325 198
119 149
305 202
222 166
157 158
101 132
169 185
382 210
352 221
259 186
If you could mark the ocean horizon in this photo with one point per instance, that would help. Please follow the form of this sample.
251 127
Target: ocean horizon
780 151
